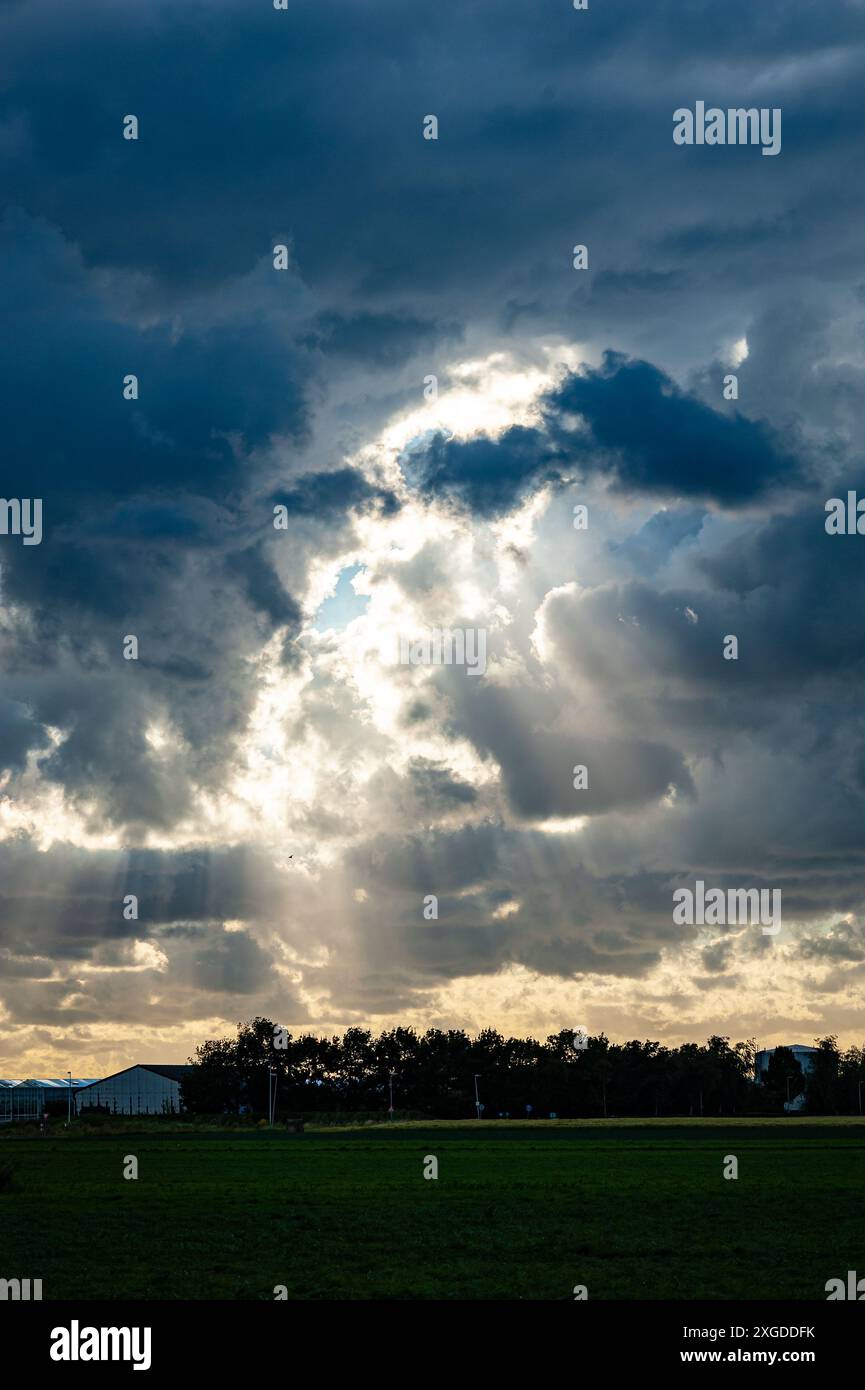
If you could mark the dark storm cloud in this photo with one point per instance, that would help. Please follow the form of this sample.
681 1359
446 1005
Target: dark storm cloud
305 127
24 967
262 588
71 438
568 921
147 523
327 496
18 734
795 583
385 340
438 787
671 641
537 760
845 941
716 958
229 962
72 900
66 946
627 421
652 437
198 626
453 861
130 530
487 475
437 221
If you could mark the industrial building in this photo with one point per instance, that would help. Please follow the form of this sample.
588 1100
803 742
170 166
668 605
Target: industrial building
147 1089
804 1056
27 1100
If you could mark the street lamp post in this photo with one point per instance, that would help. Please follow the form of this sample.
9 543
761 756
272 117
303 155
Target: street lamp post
477 1097
271 1094
69 1101
390 1108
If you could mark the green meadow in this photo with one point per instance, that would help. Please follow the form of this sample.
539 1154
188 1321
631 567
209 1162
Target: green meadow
630 1209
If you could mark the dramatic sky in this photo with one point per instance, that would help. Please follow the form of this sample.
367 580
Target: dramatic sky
276 792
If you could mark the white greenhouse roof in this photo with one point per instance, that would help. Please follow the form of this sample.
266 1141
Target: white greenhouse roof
48 1082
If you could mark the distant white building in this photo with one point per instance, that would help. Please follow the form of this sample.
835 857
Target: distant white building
803 1055
148 1089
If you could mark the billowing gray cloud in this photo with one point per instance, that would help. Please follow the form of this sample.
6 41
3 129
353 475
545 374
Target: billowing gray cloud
242 735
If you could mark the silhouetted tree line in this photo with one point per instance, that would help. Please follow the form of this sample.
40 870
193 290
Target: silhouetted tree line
434 1074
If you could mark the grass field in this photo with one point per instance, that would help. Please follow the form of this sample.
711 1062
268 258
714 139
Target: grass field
630 1209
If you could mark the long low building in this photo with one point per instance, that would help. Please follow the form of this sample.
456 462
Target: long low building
146 1089
27 1099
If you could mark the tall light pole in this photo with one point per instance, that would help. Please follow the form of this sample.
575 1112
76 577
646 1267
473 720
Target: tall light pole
390 1111
272 1082
477 1097
69 1101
